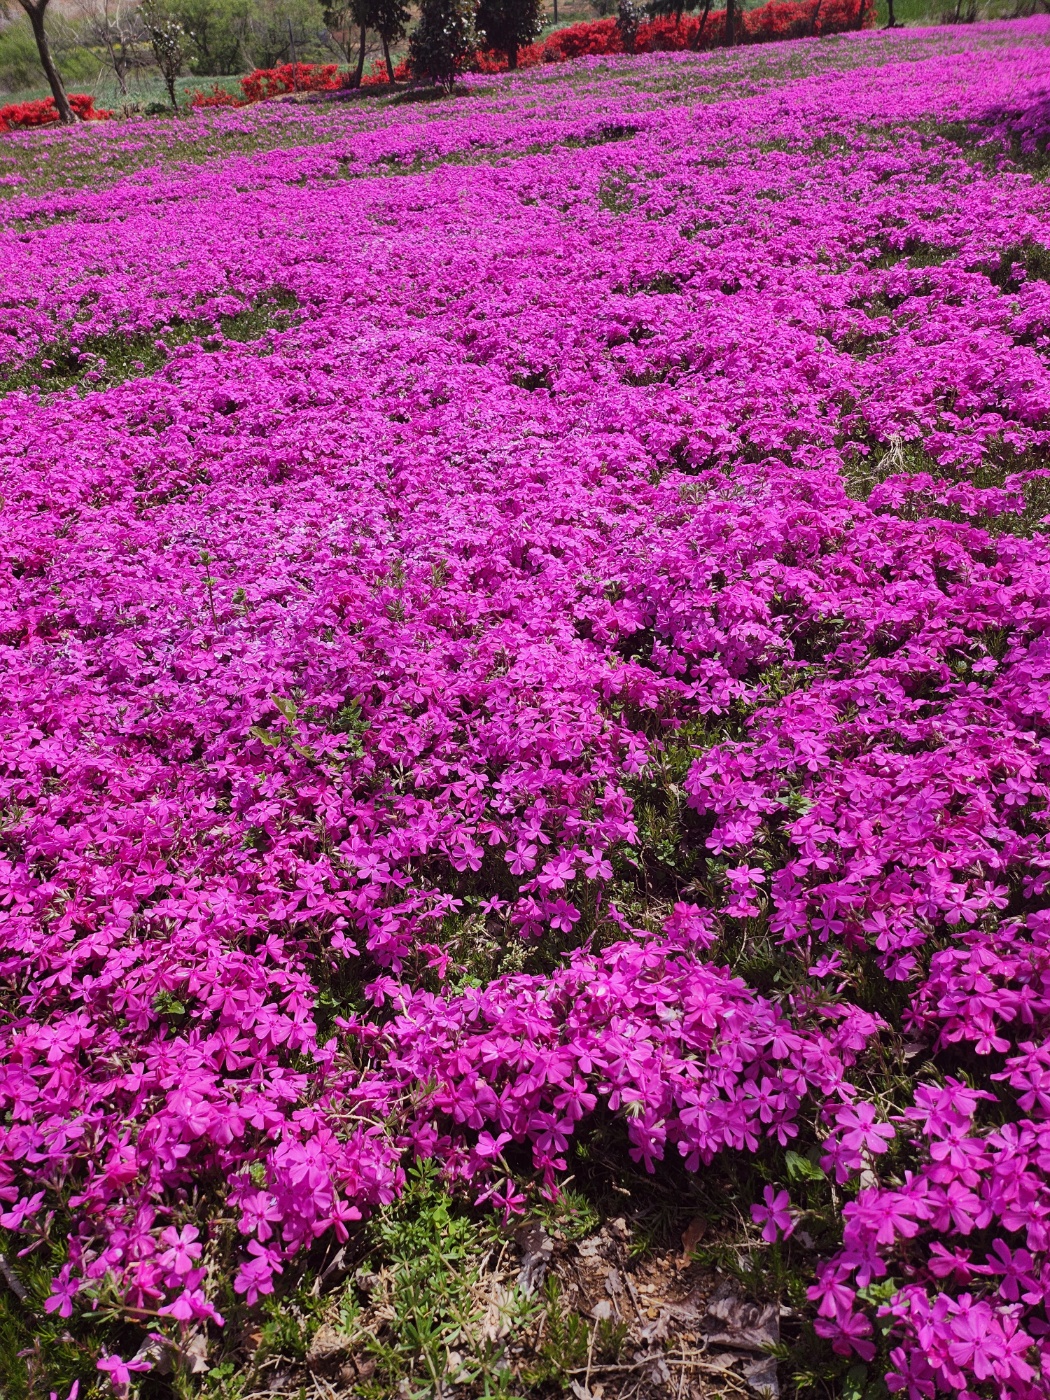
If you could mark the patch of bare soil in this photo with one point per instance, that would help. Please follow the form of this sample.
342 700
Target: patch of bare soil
615 1327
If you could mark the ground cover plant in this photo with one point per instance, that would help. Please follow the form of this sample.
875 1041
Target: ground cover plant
525 741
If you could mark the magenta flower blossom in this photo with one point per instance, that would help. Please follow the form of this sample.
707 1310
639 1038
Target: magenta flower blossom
120 1371
183 1250
775 1216
848 1333
63 1290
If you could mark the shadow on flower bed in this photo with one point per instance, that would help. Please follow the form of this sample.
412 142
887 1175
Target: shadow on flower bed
95 362
1018 136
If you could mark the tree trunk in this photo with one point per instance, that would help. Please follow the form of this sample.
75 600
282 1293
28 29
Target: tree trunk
730 23
169 83
58 92
512 57
389 64
360 59
893 18
555 11
703 21
120 69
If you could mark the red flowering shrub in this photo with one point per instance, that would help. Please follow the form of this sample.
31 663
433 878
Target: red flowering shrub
291 77
17 116
779 19
591 37
218 97
299 77
378 76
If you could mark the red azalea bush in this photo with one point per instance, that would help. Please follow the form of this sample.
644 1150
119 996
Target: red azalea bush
16 116
274 82
378 76
298 77
292 77
779 19
218 97
579 40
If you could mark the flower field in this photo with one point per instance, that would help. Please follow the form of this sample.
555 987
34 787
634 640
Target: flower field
526 649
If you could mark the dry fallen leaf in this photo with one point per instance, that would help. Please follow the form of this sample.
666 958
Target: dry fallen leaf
691 1237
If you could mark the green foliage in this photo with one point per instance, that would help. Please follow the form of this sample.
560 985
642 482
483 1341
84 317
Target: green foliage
629 17
343 20
616 192
41 1351
348 720
290 1319
445 1308
218 34
800 1169
672 7
276 27
20 60
1029 258
571 1215
443 40
564 1344
389 18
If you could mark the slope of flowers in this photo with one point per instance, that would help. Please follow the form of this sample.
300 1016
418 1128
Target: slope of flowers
632 446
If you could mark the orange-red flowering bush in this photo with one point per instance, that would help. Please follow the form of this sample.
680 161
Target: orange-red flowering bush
779 19
218 97
288 77
292 77
16 116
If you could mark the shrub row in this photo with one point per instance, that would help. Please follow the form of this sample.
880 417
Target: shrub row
779 19
16 116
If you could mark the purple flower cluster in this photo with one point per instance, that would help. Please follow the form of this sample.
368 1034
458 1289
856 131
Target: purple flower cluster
655 411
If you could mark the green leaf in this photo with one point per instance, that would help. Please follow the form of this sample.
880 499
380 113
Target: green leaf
879 1293
854 1383
800 1168
288 708
257 732
165 1004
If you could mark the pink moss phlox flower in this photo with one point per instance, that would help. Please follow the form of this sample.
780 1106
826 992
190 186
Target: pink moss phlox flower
775 1215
